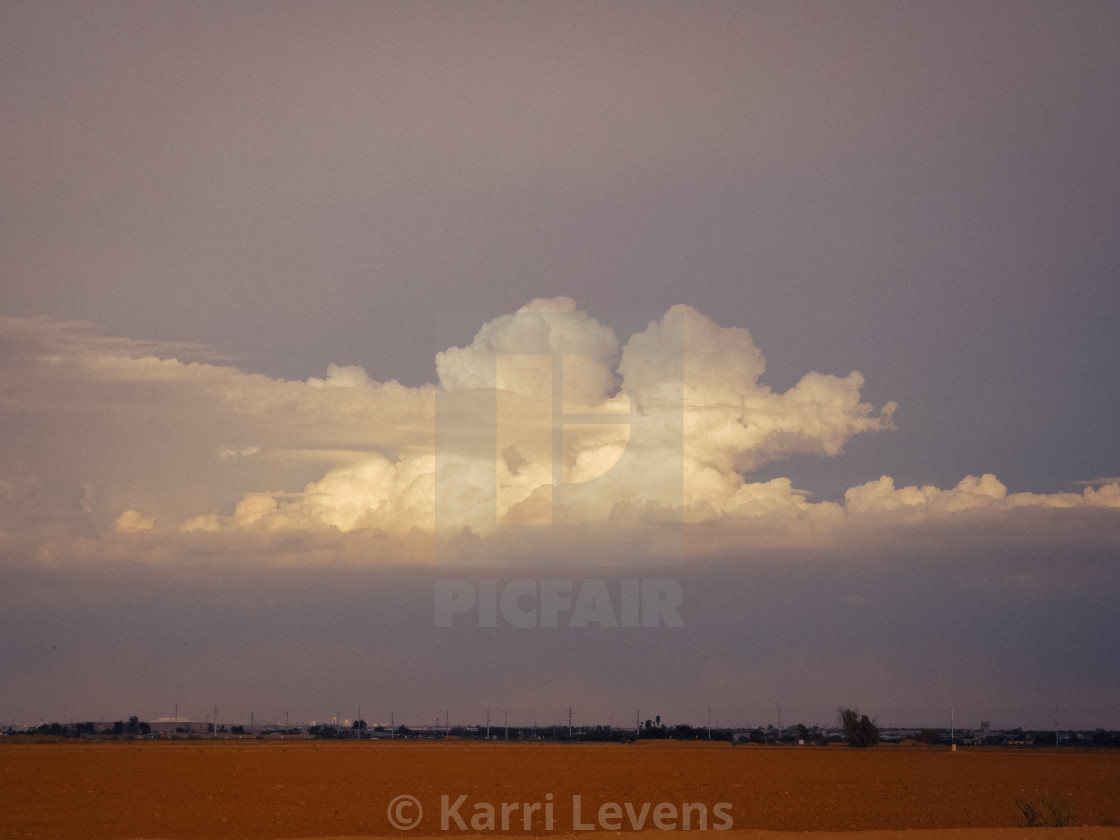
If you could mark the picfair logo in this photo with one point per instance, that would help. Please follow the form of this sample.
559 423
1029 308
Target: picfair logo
544 458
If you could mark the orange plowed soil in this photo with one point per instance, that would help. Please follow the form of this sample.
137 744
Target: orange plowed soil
274 789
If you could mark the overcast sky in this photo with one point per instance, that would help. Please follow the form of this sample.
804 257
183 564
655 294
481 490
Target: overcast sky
277 283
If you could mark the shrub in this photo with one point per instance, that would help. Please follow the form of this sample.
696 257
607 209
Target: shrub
1043 810
927 736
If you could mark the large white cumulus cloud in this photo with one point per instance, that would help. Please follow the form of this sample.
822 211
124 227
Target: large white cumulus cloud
696 400
120 442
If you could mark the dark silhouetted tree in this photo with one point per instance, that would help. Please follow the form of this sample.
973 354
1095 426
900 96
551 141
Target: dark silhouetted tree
859 730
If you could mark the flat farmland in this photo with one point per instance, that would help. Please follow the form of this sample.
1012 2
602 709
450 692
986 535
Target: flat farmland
288 789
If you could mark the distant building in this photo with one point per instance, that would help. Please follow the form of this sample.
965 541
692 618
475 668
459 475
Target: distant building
170 725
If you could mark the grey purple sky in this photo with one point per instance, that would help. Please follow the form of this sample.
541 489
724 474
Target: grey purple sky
239 243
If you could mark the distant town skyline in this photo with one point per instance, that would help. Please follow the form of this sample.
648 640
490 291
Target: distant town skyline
496 722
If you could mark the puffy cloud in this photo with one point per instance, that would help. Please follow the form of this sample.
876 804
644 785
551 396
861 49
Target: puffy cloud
132 521
985 493
733 424
881 495
542 327
1107 495
370 493
343 376
130 445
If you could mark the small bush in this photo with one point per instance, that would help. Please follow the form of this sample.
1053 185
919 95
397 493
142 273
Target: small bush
927 736
1043 810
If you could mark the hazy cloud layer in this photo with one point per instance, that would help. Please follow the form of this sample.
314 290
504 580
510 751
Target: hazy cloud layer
911 634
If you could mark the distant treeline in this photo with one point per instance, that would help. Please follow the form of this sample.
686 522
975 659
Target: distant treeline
133 726
857 732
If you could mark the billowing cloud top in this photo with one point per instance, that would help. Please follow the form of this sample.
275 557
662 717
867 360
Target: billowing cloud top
545 427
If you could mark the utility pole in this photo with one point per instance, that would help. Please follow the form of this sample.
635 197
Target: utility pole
709 723
569 723
487 724
507 724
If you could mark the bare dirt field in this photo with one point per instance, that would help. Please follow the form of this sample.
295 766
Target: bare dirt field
289 789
